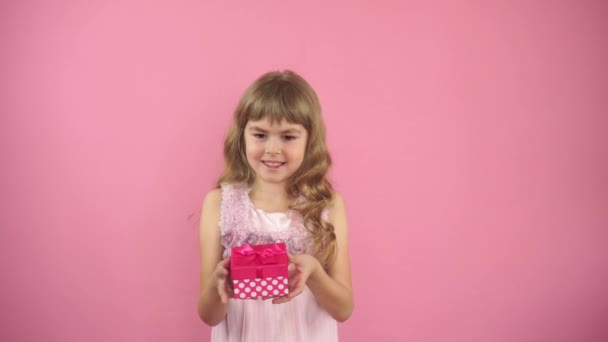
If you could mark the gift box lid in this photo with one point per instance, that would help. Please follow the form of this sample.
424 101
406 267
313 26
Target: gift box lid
259 261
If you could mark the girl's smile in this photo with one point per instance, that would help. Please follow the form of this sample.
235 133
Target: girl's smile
273 165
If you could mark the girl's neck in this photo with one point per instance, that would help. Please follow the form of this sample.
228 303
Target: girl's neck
269 191
270 195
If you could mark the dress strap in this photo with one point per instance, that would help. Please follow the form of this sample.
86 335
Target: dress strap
233 212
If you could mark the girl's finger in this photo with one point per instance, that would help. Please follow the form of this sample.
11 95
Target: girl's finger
295 290
226 263
294 283
280 300
229 288
221 288
286 298
294 293
221 273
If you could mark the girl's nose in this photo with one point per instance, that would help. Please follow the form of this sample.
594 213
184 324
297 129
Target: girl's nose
273 147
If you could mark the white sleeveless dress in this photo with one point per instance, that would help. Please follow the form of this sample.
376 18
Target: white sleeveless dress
299 320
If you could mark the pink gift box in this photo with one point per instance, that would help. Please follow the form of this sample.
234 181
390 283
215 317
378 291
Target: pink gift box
259 271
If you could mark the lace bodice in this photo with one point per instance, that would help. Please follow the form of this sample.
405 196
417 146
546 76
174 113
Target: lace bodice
241 222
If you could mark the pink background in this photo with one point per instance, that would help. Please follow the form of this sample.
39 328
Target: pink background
469 141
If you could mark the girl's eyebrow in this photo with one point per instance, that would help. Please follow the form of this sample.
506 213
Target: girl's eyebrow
287 131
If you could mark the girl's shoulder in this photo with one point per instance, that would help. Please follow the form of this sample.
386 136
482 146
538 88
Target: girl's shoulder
224 189
213 199
226 199
336 198
227 195
336 207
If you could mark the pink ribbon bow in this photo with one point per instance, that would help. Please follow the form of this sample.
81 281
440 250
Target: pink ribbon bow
263 254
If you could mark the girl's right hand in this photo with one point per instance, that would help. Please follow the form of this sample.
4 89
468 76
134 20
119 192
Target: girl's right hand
222 279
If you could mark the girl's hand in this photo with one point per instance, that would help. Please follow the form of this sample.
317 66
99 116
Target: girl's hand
222 279
305 266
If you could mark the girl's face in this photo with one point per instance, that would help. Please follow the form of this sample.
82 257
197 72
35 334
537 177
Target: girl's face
276 151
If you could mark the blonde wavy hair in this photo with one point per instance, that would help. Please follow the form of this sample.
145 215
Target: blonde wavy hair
284 95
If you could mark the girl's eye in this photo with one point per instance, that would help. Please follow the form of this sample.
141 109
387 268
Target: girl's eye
259 135
289 137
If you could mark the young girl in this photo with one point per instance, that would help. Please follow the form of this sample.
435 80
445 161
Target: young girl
274 189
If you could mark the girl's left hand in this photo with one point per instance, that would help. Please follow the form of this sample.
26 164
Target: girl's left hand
305 265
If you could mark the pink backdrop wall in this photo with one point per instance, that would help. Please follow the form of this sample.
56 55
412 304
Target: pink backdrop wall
469 141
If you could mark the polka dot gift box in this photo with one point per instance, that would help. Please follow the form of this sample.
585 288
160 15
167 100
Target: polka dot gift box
259 271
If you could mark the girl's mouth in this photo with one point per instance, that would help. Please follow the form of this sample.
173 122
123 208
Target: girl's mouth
273 165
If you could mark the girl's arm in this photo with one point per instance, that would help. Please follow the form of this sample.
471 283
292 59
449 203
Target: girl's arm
212 307
332 289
